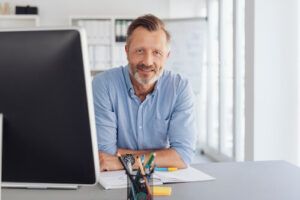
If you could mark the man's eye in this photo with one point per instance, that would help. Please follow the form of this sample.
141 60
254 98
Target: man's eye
157 53
140 50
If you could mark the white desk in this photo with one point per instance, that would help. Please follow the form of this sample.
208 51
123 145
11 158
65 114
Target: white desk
268 180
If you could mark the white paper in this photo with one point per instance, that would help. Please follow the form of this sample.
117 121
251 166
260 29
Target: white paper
183 175
113 179
118 179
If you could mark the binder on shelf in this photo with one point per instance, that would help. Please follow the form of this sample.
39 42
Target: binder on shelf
105 37
102 57
118 30
91 56
98 31
121 26
120 55
123 30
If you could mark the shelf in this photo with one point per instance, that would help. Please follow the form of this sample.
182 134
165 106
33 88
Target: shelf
19 21
101 38
120 43
19 17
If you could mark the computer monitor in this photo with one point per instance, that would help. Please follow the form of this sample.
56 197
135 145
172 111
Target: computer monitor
1 125
49 134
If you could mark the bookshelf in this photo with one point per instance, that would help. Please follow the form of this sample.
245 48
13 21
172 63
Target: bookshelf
106 38
18 21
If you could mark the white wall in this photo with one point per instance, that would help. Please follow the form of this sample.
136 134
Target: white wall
57 12
275 80
187 8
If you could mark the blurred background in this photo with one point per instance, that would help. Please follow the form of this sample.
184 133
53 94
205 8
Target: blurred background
241 56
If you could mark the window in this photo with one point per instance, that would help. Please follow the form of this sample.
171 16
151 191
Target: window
221 104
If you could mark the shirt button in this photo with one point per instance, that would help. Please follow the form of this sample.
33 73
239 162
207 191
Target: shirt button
140 127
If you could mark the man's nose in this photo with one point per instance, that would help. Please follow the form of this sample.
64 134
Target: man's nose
148 59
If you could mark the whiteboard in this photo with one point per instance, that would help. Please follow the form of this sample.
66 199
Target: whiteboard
188 47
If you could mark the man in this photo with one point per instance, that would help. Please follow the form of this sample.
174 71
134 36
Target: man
140 108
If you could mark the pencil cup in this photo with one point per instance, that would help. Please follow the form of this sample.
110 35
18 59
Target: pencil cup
142 188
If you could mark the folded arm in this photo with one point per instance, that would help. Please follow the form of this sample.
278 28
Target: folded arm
164 158
181 130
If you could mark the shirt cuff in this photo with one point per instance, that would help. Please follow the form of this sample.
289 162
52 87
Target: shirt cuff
108 150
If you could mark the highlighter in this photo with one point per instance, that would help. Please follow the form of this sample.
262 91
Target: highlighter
165 169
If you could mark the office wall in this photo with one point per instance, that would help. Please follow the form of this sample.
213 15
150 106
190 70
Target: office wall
184 8
275 90
57 12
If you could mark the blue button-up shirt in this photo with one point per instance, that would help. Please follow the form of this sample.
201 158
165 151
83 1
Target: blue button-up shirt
165 119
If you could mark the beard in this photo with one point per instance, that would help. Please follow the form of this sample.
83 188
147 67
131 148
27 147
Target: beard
134 68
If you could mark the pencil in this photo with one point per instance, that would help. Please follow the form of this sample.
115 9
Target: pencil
144 176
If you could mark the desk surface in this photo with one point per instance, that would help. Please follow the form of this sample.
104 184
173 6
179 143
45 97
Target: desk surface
266 180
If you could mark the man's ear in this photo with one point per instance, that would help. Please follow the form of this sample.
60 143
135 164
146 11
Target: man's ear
168 54
127 51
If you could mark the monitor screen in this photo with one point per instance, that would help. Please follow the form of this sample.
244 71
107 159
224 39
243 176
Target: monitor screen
46 101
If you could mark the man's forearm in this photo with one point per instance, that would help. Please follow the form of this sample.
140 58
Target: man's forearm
164 157
134 152
109 162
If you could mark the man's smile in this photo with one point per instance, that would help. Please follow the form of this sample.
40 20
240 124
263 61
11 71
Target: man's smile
145 69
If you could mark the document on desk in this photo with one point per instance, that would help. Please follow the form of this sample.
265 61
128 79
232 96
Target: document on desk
183 175
113 179
118 179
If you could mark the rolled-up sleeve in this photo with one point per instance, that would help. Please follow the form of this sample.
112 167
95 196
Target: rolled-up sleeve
182 128
106 121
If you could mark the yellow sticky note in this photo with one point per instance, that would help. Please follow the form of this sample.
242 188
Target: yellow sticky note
162 191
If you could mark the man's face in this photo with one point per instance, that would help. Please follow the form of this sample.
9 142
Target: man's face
147 53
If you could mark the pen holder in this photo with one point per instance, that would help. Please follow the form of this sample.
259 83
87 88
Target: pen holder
140 190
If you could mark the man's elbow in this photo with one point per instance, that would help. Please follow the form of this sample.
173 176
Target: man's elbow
180 164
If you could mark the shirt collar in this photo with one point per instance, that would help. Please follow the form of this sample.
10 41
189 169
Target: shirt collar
130 86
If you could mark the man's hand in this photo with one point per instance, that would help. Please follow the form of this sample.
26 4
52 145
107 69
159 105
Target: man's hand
164 157
109 162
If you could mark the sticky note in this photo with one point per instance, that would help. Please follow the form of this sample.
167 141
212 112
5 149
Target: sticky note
162 191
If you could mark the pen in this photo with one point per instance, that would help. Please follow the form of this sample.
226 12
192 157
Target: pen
152 168
148 163
166 169
127 171
133 192
150 160
143 159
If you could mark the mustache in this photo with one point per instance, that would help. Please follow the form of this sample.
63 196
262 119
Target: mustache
144 67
